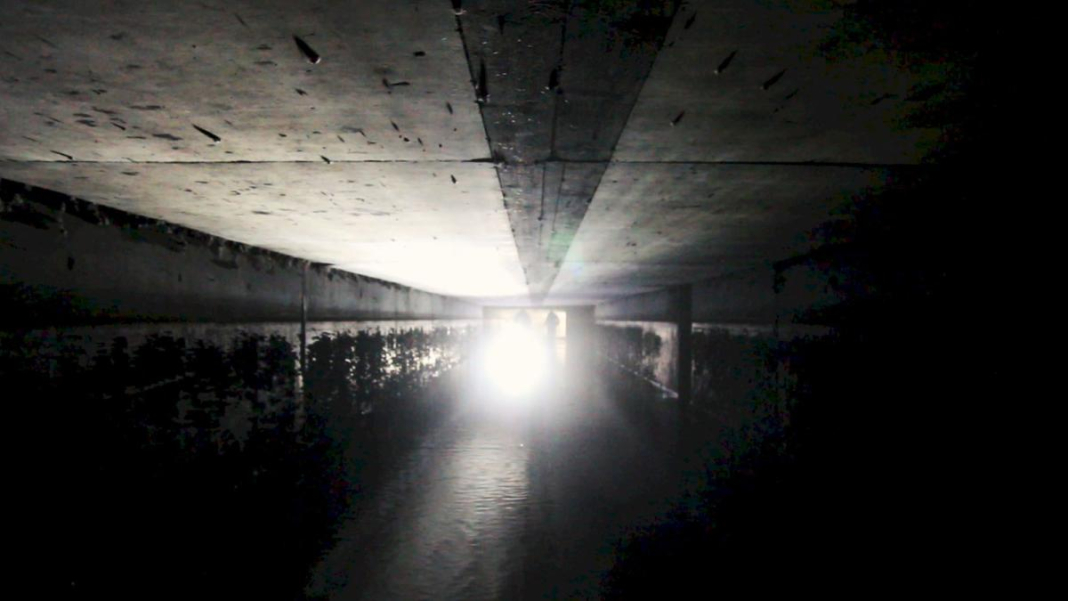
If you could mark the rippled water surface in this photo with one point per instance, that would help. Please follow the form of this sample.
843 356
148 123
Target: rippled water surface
509 502
200 460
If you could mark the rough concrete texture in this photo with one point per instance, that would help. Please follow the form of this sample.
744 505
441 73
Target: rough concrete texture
334 295
787 297
758 122
660 305
654 225
64 260
783 82
560 79
349 134
405 222
158 68
105 105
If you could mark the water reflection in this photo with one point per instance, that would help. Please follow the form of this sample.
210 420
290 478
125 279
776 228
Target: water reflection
447 524
507 503
196 458
193 457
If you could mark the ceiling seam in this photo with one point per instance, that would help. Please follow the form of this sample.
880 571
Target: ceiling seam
489 143
612 152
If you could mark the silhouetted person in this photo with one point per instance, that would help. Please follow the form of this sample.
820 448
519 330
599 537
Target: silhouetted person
551 323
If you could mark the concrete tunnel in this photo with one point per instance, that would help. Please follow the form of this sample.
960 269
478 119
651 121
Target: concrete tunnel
501 299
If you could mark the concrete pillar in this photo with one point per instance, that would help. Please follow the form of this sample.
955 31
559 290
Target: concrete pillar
682 301
674 306
304 322
581 330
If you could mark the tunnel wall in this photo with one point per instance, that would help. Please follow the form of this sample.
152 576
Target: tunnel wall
648 349
643 335
67 261
720 335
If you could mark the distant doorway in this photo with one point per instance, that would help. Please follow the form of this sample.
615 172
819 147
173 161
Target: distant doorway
550 322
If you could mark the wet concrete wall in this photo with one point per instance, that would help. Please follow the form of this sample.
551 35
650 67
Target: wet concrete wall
63 260
648 336
655 334
648 349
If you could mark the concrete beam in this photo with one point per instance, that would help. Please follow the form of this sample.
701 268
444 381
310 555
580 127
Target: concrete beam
127 82
406 222
762 297
667 304
556 81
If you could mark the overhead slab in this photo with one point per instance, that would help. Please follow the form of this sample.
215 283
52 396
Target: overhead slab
798 81
574 95
758 122
211 116
658 224
556 81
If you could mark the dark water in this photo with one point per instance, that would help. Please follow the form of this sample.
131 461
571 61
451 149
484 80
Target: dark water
167 461
511 502
190 458
177 462
194 459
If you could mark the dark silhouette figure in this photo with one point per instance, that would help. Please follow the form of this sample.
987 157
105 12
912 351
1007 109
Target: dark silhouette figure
552 322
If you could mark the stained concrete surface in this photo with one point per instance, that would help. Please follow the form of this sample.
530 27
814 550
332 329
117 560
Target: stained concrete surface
560 79
646 349
654 225
805 82
812 99
102 104
157 68
489 133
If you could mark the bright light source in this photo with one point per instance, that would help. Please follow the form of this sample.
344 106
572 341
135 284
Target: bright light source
515 360
455 267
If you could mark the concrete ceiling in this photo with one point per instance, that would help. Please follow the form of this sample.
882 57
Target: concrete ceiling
502 150
374 159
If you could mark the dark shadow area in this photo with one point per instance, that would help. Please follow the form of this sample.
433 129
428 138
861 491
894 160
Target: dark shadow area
186 464
860 460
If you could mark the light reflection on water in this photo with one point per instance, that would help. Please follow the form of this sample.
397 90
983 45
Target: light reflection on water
455 492
465 525
507 504
446 525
